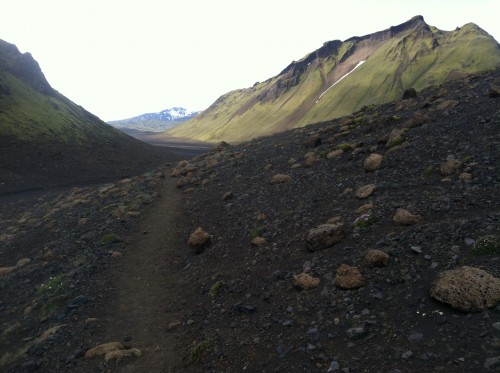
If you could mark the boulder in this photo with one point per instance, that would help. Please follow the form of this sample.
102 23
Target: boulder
467 289
373 162
348 277
324 236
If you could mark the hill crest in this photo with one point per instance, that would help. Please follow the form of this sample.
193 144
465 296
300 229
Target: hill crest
410 55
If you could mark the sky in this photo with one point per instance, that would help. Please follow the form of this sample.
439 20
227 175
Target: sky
123 58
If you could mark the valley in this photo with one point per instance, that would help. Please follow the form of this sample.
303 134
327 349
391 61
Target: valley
342 216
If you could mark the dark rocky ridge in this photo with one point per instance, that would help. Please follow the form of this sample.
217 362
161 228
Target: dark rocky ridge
24 67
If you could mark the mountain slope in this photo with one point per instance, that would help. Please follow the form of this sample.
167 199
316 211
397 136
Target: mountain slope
47 139
411 55
154 122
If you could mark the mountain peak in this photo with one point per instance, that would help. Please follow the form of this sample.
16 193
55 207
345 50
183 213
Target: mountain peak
24 67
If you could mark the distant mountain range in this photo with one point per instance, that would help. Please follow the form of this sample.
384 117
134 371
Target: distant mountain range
154 122
343 76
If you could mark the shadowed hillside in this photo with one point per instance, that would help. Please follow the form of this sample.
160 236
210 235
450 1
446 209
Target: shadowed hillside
47 139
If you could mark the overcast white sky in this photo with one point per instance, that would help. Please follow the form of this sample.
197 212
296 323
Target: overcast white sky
123 58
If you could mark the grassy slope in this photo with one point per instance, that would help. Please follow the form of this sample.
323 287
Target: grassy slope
404 61
29 116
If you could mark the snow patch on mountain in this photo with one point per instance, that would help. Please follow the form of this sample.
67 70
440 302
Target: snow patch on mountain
338 81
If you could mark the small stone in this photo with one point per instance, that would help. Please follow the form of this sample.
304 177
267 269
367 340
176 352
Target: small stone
407 355
348 277
280 179
335 154
311 159
376 258
373 162
415 337
83 221
116 254
120 354
305 281
227 196
198 240
103 349
365 191
334 220
6 270
416 249
447 104
465 176
259 241
357 332
409 93
334 367
492 362
324 236
365 208
313 141
450 167
404 217
23 262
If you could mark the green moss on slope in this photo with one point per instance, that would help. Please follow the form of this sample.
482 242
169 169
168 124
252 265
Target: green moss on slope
416 55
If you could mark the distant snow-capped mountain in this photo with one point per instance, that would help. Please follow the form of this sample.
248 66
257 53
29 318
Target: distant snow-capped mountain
154 122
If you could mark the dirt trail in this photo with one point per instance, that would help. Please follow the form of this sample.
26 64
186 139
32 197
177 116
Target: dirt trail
147 287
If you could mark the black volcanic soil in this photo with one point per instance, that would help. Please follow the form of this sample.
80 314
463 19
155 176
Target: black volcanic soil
37 166
111 263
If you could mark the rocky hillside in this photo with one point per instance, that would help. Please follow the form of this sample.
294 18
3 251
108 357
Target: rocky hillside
369 243
47 139
341 77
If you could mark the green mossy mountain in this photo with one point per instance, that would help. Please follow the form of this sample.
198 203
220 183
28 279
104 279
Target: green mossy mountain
31 111
410 55
47 140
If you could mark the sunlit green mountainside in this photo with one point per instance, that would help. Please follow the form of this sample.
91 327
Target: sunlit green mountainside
31 111
411 55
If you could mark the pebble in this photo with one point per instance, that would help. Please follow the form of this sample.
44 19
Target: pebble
415 337
334 367
416 249
407 355
357 332
469 241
